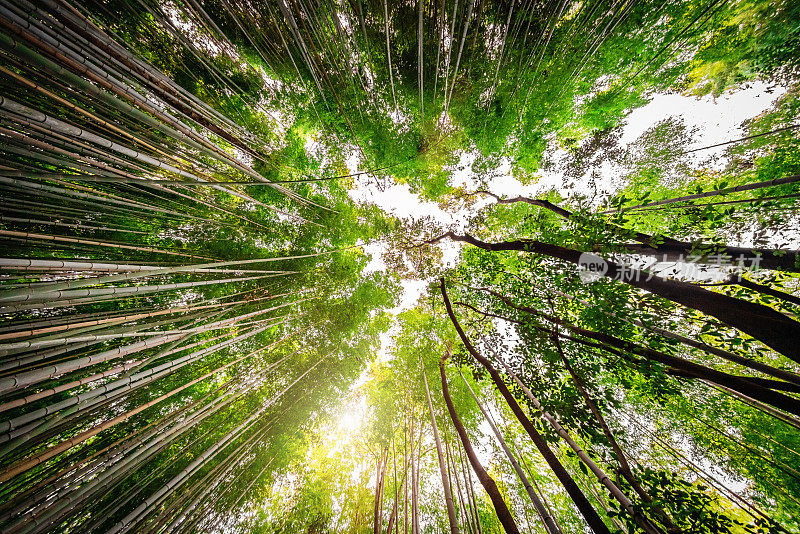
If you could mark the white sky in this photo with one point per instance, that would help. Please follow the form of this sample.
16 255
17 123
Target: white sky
717 120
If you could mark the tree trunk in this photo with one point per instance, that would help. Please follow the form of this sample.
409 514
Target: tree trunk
414 482
488 483
672 249
742 384
417 482
622 460
756 258
766 290
405 476
466 513
396 493
448 494
379 476
544 515
392 518
761 322
469 492
724 354
580 500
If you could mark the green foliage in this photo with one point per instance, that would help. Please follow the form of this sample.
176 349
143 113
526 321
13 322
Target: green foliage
180 134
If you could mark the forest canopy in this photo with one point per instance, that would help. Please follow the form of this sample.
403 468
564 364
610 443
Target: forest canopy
427 266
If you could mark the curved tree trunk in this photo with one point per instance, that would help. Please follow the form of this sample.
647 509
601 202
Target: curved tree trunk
763 323
741 384
788 376
584 506
488 483
669 249
544 515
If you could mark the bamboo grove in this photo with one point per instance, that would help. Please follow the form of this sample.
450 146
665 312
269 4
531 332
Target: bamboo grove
190 299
